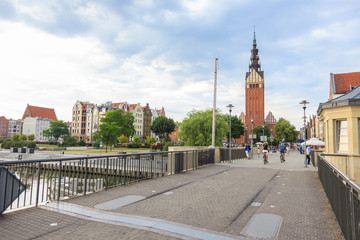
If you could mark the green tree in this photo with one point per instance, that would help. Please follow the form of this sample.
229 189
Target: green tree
237 127
31 137
124 121
258 131
113 125
163 126
108 134
23 137
57 129
196 129
284 130
15 137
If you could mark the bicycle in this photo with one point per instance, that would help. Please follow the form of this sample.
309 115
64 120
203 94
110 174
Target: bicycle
265 160
282 157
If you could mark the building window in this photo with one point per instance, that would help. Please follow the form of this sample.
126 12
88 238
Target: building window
341 136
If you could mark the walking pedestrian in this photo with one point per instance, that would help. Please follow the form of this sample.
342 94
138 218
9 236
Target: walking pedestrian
282 152
265 152
247 151
308 153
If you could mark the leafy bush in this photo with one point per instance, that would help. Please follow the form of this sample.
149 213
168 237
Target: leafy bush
69 141
133 145
123 139
31 145
157 146
81 143
137 140
18 144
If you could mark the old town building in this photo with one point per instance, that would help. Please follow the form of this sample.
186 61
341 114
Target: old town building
254 98
146 121
4 126
37 119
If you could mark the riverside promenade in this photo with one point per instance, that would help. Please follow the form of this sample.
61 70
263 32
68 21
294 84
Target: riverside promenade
242 200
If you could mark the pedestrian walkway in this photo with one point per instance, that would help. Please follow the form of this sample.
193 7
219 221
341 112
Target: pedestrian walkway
242 200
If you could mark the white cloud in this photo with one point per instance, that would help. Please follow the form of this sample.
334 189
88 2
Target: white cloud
43 11
42 68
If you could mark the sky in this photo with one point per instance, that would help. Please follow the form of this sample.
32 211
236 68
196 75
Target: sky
162 52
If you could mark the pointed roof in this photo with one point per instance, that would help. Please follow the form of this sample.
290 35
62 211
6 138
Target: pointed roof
343 82
34 111
255 60
351 98
270 119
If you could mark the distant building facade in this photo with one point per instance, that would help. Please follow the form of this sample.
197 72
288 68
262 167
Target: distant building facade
36 126
86 118
4 126
146 121
136 110
14 127
37 119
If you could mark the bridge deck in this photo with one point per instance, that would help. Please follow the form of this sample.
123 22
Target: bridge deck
219 201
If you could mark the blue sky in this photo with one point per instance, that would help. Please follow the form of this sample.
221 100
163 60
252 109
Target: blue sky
53 53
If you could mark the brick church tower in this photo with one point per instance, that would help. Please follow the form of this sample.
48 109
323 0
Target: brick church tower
254 91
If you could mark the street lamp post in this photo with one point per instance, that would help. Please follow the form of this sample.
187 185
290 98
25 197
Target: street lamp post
230 106
252 137
304 102
263 133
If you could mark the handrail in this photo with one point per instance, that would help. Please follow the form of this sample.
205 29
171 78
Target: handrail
350 182
88 157
39 180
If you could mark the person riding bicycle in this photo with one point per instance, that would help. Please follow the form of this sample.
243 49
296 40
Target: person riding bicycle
282 150
265 151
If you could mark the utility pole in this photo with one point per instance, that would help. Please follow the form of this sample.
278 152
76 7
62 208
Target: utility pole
214 104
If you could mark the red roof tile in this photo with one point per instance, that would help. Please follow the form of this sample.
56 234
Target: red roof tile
33 111
344 81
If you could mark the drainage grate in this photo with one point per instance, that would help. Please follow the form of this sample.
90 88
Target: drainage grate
263 226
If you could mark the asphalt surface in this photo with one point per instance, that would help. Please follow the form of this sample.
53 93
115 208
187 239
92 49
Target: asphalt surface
223 201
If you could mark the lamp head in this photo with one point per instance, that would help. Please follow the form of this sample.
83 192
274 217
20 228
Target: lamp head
304 102
230 106
252 120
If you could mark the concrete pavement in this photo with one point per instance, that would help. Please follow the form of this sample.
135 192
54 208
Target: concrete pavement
242 200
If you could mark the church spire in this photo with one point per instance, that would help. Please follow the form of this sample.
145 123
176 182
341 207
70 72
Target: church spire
254 59
254 40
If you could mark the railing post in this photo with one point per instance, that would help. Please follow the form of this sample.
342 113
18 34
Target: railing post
124 157
38 185
86 175
107 172
352 215
162 165
59 187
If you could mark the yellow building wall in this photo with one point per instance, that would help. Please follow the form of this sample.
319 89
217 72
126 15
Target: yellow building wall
347 162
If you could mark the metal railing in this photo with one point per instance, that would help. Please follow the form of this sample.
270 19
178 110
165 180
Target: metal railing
32 182
236 154
343 195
